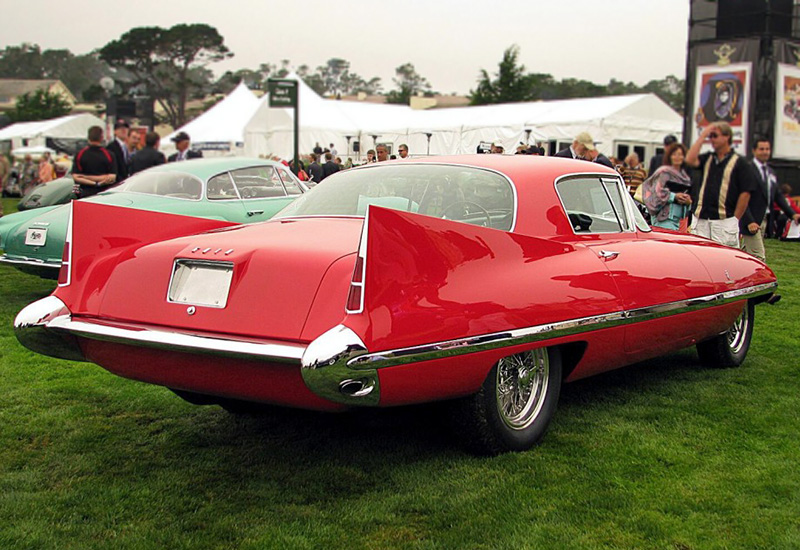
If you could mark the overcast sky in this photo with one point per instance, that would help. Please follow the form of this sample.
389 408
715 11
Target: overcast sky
448 41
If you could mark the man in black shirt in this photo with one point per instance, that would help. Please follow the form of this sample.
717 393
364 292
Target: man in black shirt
725 188
149 155
94 168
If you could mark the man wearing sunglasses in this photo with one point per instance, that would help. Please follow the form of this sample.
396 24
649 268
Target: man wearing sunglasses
727 181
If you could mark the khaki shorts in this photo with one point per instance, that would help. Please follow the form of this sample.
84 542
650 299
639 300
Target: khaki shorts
722 231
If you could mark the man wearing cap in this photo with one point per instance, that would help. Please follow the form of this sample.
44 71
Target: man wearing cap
726 185
497 148
181 140
119 148
580 145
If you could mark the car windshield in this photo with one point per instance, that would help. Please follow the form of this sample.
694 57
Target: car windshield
166 184
462 193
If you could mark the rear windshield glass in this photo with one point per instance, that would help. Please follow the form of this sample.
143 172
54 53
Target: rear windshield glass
165 184
460 193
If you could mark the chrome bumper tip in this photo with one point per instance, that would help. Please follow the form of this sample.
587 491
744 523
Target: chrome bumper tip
325 370
31 327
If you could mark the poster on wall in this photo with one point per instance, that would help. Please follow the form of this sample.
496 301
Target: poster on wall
787 113
722 93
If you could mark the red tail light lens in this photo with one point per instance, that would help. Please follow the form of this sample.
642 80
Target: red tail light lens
63 272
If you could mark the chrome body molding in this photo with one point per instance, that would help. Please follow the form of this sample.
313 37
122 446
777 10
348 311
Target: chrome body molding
33 266
337 365
326 371
486 342
31 327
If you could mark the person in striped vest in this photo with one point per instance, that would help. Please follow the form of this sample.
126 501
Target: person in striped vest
724 192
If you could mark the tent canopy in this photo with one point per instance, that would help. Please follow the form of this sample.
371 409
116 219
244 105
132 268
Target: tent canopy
222 126
35 133
639 118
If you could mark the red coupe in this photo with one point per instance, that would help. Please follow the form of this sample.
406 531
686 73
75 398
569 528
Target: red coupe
487 280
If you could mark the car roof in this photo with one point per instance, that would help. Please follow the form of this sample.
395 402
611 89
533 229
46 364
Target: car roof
206 168
539 209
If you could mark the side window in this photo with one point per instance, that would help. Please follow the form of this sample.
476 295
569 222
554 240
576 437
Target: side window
289 182
220 187
593 205
258 182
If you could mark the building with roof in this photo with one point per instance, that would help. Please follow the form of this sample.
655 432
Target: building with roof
12 88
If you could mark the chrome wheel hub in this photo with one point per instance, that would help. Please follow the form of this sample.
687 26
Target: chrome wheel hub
522 382
738 332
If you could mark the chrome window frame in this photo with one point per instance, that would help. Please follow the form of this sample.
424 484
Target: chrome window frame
602 178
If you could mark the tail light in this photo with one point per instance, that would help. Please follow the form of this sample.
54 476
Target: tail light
65 272
355 297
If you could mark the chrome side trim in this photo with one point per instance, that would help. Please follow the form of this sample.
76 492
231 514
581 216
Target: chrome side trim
549 331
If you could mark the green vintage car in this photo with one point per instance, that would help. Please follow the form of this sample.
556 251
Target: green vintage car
234 189
58 191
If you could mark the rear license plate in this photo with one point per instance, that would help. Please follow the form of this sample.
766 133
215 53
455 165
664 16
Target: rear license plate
36 236
200 283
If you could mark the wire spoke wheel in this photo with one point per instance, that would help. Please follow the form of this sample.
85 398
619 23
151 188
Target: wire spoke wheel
738 331
513 408
522 382
729 348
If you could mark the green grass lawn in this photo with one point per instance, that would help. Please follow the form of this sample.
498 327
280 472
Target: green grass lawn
664 454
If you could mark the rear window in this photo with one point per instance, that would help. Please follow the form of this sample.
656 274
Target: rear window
166 184
460 193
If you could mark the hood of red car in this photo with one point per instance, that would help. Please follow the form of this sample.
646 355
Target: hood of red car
274 272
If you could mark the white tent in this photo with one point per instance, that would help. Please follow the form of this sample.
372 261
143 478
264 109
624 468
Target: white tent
221 128
24 134
271 129
640 120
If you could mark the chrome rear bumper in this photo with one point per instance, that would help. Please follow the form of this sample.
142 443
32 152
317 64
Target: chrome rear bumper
47 327
46 270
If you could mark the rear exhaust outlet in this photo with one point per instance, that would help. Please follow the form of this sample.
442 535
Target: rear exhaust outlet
356 388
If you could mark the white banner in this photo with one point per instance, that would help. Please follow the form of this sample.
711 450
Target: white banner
722 93
787 113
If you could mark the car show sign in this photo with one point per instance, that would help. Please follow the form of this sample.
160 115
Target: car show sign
282 93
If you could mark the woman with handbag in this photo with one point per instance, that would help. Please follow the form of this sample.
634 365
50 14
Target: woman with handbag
666 192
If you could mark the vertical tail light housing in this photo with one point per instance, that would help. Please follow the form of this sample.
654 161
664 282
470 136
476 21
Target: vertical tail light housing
355 297
65 271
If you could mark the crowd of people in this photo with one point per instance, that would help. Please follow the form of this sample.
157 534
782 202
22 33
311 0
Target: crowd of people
733 200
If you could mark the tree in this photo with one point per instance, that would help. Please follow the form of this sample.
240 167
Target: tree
168 63
409 83
670 89
510 84
79 73
312 80
39 105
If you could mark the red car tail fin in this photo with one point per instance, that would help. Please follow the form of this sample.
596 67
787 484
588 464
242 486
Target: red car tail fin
99 235
429 279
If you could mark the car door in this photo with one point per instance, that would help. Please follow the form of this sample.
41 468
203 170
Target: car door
653 273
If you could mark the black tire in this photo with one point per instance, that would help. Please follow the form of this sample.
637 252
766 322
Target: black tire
506 415
729 349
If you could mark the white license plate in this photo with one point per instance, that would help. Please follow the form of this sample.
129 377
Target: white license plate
200 283
36 236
